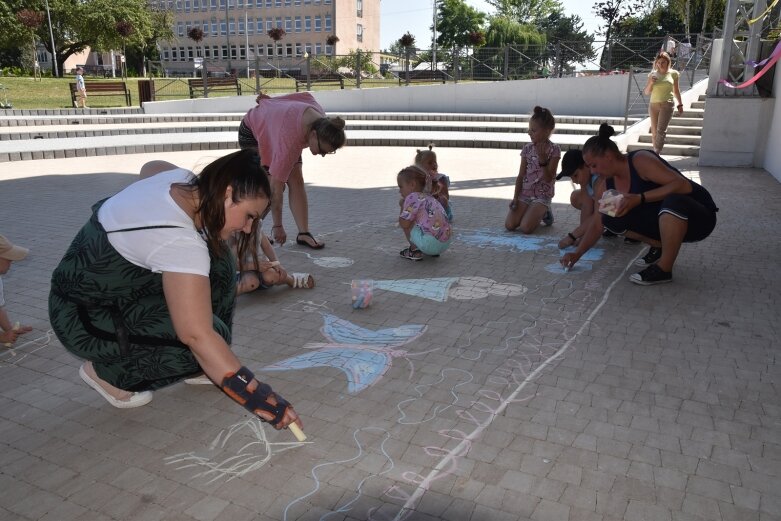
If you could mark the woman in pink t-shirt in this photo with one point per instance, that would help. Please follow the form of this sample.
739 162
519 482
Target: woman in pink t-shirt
281 128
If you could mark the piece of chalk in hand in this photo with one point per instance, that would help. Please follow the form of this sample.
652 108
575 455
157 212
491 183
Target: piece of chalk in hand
297 432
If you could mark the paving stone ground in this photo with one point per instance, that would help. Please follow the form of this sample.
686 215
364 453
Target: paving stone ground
486 384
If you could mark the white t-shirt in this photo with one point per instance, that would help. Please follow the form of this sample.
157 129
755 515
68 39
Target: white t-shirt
148 202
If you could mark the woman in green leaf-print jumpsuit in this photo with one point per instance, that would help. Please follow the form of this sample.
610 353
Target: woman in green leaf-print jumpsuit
146 291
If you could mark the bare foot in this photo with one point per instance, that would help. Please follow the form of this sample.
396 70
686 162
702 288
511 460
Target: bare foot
115 392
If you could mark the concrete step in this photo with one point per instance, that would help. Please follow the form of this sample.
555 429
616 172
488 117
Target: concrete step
16 118
698 104
114 129
17 150
673 139
126 119
671 150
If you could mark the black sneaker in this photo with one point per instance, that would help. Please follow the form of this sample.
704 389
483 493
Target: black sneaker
653 274
650 257
547 219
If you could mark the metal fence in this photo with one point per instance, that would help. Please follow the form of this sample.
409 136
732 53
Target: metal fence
635 56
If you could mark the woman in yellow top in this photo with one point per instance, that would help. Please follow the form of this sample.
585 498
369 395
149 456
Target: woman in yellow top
663 88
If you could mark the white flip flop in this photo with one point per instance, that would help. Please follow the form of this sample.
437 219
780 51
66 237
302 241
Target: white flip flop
198 380
136 400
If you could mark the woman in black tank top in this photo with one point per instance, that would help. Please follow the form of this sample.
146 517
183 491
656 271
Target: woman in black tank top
659 206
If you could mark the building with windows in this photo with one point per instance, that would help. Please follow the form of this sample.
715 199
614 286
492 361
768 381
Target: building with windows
235 32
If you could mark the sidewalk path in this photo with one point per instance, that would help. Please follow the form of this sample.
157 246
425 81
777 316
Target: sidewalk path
482 385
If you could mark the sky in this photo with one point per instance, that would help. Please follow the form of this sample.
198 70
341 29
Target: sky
416 16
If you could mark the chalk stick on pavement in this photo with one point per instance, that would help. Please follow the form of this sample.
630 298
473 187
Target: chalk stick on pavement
297 432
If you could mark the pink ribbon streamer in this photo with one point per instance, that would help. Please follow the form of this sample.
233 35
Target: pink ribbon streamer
768 64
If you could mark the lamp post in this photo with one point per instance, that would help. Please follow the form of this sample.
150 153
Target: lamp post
434 39
51 35
228 37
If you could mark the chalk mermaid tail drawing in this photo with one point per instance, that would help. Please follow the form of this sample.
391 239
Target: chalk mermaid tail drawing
341 331
363 355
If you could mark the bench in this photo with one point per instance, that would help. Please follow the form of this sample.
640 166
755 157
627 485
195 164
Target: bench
229 84
323 79
424 77
103 88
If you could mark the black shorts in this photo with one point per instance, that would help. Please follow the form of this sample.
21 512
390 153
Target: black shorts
644 219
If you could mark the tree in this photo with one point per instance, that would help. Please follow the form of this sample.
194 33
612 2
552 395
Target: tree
526 11
574 44
505 31
456 21
613 12
78 24
31 20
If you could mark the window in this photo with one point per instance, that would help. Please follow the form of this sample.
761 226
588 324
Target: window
297 3
269 4
233 52
288 25
214 27
180 29
250 3
223 28
269 25
288 49
222 5
240 3
318 48
327 2
299 48
277 3
359 32
307 2
242 53
224 52
298 24
241 26
207 52
190 53
308 48
181 54
213 4
287 3
269 49
308 24
259 25
359 8
232 26
215 52
328 23
318 24
278 22
165 55
186 6
250 26
178 5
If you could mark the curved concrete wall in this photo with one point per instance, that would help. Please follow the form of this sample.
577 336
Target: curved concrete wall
586 96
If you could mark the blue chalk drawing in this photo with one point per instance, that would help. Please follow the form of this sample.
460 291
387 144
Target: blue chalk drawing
363 355
522 243
508 241
432 289
594 254
459 288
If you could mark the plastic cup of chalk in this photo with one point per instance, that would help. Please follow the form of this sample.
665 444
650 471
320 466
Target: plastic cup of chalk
362 292
610 202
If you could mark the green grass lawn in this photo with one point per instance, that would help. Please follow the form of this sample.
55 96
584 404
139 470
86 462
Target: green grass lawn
54 93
